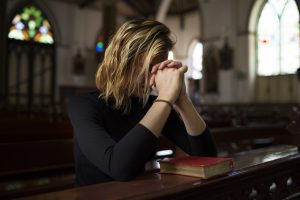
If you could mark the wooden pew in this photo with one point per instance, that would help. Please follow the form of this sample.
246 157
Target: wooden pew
37 156
228 115
232 140
45 149
269 173
294 128
236 139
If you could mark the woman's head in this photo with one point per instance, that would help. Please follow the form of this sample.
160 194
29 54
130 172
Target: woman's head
128 58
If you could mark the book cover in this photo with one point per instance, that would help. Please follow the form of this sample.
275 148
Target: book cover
202 167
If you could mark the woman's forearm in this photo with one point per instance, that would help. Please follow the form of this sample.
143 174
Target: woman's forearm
156 117
193 122
168 84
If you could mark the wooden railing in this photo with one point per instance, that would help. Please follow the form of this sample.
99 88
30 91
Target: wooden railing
269 173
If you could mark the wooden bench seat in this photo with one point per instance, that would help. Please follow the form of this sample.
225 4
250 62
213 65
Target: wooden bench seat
236 139
36 156
232 140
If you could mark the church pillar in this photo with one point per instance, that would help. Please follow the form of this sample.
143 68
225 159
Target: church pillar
3 35
163 10
109 20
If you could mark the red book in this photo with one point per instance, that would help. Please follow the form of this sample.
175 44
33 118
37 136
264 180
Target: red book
202 167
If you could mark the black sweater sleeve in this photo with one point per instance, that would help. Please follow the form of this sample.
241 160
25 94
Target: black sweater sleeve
121 159
202 145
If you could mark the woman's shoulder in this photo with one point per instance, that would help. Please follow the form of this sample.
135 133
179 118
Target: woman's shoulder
91 101
85 102
88 98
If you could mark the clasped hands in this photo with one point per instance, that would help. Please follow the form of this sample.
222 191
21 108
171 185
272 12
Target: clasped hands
167 78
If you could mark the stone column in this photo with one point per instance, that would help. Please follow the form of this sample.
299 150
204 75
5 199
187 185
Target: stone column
3 37
109 20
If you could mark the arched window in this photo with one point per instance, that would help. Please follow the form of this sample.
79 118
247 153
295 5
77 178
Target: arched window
278 38
194 74
195 60
30 64
31 25
171 55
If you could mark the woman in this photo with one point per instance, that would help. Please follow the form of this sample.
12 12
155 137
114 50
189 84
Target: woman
116 128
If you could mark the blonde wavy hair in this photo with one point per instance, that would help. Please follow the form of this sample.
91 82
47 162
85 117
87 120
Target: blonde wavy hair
124 71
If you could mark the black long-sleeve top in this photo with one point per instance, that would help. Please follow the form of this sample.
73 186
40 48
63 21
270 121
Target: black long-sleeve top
110 145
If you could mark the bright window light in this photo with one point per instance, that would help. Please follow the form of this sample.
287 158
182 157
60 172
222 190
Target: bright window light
278 41
171 55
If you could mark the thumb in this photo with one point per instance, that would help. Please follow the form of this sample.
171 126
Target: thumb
183 69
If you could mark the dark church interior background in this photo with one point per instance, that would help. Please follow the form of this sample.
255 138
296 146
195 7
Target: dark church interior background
243 58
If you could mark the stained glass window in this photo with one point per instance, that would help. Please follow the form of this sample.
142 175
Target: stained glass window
100 44
31 25
278 38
